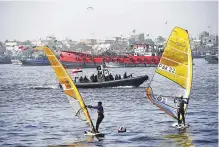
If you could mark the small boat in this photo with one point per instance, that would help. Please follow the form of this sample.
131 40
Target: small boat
211 58
4 59
16 62
135 82
35 62
105 79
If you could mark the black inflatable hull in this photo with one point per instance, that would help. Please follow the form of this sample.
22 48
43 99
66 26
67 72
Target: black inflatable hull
135 82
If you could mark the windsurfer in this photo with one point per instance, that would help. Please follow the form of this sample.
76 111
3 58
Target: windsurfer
181 110
100 113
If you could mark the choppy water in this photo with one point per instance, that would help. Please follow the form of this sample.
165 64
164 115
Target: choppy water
34 111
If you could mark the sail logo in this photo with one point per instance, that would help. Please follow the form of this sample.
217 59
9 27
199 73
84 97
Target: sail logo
166 68
162 99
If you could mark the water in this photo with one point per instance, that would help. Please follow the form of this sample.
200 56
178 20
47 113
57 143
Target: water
34 111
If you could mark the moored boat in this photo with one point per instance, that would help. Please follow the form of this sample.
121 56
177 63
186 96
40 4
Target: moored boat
142 55
211 59
4 59
35 62
16 62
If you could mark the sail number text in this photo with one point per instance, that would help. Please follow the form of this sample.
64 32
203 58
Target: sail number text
166 68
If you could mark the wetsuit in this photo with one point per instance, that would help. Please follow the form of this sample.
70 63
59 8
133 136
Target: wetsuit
100 113
181 111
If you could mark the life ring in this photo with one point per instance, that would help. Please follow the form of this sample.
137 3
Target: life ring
121 61
92 59
153 60
131 59
139 60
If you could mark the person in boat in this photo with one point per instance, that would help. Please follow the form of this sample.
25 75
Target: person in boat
81 79
111 77
116 77
181 110
86 79
92 78
100 113
130 76
125 75
119 77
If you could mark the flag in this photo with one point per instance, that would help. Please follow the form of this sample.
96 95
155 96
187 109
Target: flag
133 31
21 47
26 48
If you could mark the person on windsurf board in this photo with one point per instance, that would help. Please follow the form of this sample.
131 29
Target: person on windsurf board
181 110
100 113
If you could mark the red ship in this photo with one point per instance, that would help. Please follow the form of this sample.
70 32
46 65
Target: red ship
138 59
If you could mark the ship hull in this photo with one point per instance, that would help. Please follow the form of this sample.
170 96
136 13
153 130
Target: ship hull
79 60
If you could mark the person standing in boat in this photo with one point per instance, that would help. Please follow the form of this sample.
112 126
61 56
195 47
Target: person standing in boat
181 110
125 75
100 113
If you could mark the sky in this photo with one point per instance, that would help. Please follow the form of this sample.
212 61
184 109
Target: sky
30 20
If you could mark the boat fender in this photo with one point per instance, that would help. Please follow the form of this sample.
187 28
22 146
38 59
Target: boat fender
84 59
145 60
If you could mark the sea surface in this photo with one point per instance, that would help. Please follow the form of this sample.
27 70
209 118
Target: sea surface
35 112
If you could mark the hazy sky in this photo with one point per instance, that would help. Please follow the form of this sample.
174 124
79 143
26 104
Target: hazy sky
38 19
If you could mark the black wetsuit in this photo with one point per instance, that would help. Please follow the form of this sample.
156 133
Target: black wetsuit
100 112
181 111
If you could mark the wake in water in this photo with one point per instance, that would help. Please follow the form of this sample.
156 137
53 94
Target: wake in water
23 87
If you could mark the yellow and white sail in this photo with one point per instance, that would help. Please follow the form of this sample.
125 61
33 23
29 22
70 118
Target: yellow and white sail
67 83
173 76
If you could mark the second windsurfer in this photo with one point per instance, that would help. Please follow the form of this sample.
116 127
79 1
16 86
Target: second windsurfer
100 113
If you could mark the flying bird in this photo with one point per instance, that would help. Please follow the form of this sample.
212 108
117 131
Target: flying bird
90 8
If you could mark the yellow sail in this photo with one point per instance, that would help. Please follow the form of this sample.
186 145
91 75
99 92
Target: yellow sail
176 62
67 83
173 75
